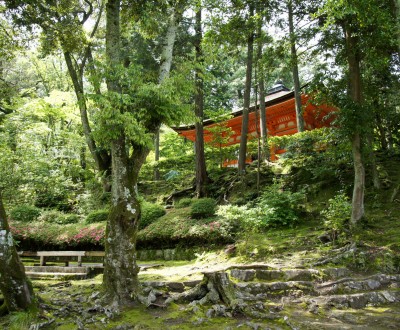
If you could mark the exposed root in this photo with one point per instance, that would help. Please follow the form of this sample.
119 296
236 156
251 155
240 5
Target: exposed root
338 255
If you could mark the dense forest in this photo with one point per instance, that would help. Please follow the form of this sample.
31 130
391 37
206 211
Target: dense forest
91 91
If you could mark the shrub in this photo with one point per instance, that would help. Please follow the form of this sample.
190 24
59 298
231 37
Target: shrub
183 202
279 207
97 216
176 229
203 208
248 219
55 236
54 216
338 212
71 218
25 213
150 213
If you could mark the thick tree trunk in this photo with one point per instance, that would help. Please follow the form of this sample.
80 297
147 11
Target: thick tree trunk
246 101
165 68
14 285
120 280
295 70
201 171
353 60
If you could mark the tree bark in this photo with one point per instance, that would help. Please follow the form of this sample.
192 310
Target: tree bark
295 70
382 132
374 169
246 101
16 289
165 69
120 280
261 90
101 157
353 59
201 171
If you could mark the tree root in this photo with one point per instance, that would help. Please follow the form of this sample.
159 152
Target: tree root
339 254
169 199
215 287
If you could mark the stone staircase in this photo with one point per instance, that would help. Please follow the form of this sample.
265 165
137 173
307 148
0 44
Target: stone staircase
330 298
326 288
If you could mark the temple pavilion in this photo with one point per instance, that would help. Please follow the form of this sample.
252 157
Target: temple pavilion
280 117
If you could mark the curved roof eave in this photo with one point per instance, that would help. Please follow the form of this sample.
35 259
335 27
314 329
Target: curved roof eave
272 101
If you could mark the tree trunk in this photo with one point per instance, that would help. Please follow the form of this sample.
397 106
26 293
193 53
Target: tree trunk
16 289
165 68
353 60
261 90
120 280
295 70
374 169
101 157
382 133
246 101
201 171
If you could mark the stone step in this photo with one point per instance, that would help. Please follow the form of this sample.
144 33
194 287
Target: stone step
171 286
355 300
248 275
56 269
351 285
274 290
64 276
278 289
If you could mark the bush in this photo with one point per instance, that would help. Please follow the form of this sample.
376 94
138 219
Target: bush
338 212
275 208
25 213
177 229
97 216
248 219
279 208
203 208
183 202
57 217
55 236
150 213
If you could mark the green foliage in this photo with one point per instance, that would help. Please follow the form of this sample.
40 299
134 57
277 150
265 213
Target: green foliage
338 212
140 108
249 219
279 207
177 228
274 208
22 320
97 216
57 217
321 152
183 202
150 213
203 208
25 213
